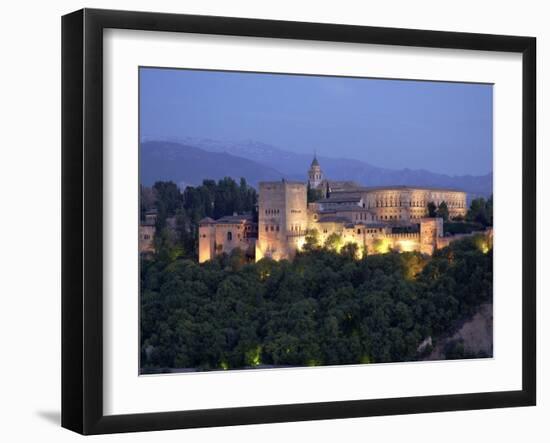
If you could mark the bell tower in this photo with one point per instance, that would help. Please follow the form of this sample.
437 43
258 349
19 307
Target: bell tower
315 174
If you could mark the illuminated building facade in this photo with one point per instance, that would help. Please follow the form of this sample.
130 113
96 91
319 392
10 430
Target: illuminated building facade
377 219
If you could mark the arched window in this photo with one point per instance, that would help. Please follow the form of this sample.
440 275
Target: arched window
229 236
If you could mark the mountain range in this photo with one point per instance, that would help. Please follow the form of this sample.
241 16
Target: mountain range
187 161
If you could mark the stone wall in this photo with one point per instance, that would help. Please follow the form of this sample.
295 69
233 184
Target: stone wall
207 241
230 236
146 239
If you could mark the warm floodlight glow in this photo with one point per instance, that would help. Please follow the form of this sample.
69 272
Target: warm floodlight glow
253 356
407 245
483 244
382 246
313 362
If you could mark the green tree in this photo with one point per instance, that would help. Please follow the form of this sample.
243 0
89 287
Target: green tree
432 210
481 211
334 242
147 200
311 240
351 250
168 201
443 211
237 259
489 210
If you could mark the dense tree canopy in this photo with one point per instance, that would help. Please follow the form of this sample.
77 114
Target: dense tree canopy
432 209
481 211
324 308
443 211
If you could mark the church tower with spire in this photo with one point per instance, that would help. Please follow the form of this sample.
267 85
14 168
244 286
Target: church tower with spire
315 174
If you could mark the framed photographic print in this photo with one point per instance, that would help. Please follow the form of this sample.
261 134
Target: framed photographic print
269 221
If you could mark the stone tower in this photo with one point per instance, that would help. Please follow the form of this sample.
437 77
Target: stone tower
282 219
315 175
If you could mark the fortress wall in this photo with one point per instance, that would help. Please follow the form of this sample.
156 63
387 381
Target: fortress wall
230 236
405 242
404 236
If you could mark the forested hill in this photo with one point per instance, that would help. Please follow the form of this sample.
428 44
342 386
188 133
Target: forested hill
324 308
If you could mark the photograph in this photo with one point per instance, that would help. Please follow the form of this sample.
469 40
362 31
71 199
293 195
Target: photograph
292 220
251 221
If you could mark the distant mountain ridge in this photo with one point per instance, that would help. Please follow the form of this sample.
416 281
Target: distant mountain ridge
188 165
257 161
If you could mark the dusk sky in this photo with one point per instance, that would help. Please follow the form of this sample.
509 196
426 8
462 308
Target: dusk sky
442 127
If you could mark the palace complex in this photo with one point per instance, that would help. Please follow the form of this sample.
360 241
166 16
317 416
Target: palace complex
377 219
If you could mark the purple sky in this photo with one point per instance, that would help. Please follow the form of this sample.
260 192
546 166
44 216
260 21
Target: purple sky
439 126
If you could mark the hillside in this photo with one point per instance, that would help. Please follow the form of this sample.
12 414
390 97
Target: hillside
473 337
189 165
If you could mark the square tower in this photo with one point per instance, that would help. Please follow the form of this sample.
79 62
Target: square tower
282 219
430 230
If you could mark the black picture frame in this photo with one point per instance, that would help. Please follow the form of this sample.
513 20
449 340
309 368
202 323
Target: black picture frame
82 215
